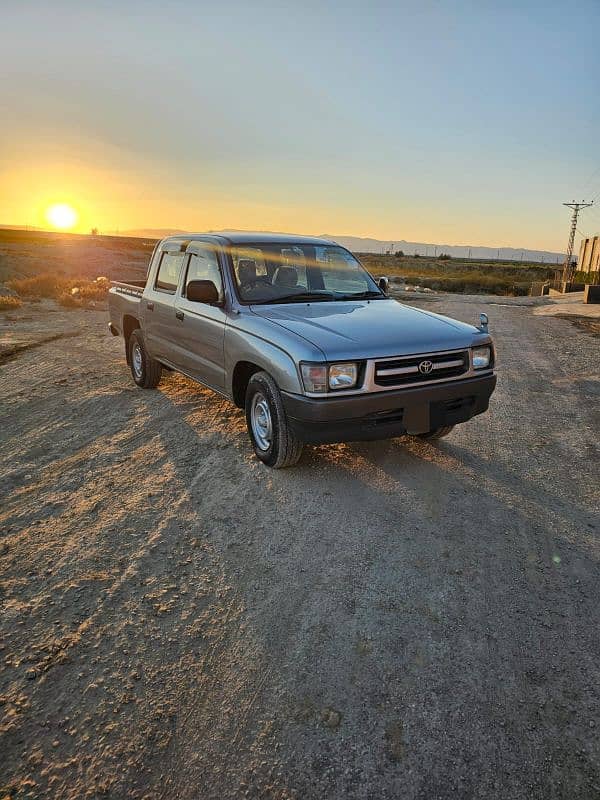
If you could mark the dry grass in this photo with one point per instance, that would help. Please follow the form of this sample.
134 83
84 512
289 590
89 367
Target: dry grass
460 275
44 285
8 303
69 292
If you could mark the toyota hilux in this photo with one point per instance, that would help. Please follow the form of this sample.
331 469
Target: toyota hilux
298 334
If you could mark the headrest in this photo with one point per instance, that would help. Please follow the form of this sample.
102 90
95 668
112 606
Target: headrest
285 276
246 270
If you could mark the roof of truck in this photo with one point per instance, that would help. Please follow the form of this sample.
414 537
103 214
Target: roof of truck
251 237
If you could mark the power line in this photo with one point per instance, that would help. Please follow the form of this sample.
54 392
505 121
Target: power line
590 180
568 265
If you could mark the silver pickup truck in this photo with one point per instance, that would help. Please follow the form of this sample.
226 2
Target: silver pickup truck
295 331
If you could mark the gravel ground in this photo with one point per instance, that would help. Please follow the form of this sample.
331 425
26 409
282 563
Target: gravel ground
386 620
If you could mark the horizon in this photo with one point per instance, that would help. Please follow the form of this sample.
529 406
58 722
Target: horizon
413 120
161 233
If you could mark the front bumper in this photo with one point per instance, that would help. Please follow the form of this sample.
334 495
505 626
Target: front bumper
383 415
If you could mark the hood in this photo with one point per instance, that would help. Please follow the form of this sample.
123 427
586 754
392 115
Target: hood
377 329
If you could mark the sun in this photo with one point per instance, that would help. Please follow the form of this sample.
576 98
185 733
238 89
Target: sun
61 215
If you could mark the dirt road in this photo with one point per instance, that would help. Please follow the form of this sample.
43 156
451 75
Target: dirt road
387 620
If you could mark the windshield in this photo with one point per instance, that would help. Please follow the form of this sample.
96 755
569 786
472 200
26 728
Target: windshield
287 273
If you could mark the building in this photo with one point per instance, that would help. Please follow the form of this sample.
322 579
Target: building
589 255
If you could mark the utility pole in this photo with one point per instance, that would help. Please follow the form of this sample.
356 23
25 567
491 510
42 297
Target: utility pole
568 265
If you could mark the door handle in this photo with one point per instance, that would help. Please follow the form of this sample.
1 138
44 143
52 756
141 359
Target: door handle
150 306
179 314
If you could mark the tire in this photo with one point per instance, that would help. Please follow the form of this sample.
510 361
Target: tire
145 370
438 433
272 438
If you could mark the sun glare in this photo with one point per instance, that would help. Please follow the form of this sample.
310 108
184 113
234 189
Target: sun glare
61 216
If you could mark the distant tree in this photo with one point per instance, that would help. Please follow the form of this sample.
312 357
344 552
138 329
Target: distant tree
417 255
444 257
94 231
399 253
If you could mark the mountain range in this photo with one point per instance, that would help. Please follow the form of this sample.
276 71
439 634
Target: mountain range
358 244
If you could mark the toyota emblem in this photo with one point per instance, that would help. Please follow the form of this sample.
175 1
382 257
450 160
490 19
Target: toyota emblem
425 367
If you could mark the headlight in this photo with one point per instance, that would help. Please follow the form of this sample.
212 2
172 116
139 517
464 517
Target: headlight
342 376
482 357
319 378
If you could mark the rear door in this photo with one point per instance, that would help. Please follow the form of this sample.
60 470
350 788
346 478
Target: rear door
159 303
201 327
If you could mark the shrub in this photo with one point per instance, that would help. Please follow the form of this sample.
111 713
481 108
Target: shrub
93 290
8 303
69 300
44 285
69 292
586 277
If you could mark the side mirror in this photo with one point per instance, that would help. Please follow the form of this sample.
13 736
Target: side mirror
383 284
202 292
483 323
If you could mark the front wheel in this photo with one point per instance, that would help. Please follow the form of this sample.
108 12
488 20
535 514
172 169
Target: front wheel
145 370
273 440
438 433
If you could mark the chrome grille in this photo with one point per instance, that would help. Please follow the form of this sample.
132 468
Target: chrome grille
404 371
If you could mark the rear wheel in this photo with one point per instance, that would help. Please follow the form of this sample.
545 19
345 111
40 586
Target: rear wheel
146 370
438 433
272 438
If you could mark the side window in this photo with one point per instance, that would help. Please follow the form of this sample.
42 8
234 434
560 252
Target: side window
167 276
204 266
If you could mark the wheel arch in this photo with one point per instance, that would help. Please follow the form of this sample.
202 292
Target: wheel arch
246 354
242 373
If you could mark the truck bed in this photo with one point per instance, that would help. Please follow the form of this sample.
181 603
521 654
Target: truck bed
134 288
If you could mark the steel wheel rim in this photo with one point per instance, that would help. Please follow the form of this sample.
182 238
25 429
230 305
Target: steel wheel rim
137 360
261 421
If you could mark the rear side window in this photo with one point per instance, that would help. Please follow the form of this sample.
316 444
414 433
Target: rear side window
167 277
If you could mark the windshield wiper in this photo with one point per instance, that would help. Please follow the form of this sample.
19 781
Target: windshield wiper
371 294
301 297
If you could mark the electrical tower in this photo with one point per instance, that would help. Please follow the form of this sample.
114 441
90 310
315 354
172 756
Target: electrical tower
568 269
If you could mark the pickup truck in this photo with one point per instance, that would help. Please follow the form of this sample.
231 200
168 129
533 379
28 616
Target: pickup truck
296 332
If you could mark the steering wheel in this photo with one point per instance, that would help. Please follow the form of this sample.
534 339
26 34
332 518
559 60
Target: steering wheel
260 279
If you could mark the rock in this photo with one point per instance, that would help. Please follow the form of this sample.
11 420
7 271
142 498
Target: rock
331 718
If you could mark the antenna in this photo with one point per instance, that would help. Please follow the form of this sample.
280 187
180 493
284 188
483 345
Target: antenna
568 268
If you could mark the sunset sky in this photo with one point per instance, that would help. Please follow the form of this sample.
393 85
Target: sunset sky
451 122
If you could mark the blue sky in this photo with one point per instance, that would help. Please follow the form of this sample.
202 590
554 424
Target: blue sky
453 122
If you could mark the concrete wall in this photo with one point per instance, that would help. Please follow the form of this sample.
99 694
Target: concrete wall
589 255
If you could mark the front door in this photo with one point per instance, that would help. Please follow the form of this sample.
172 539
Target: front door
201 327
